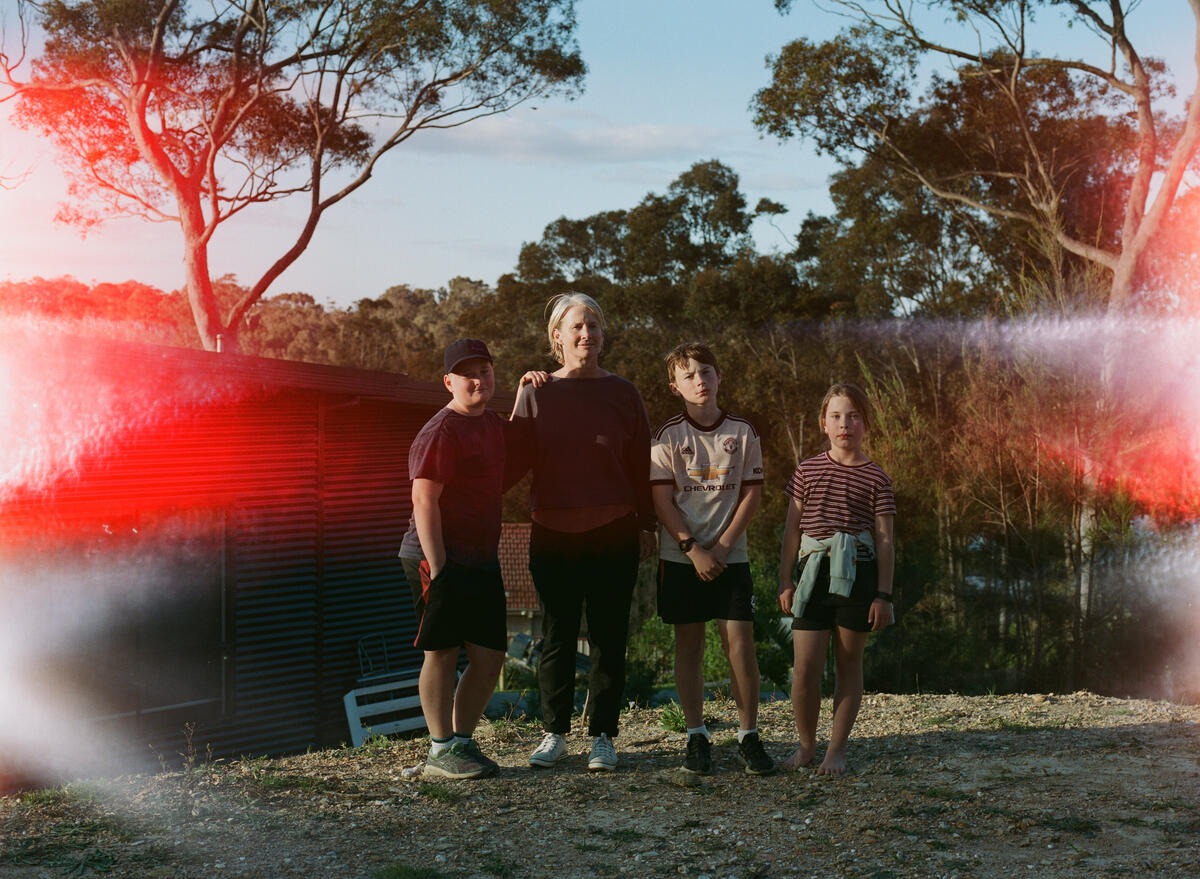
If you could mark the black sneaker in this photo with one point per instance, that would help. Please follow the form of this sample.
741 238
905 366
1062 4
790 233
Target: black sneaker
699 754
756 760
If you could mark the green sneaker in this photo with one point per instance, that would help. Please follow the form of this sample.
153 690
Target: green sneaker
455 762
473 749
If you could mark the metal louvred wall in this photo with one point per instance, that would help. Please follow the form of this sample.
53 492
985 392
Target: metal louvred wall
318 506
313 566
298 475
273 574
367 502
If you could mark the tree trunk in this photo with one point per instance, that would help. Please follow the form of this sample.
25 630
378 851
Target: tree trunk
1120 294
198 281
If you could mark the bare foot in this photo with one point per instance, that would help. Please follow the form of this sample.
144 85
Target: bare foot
799 759
833 764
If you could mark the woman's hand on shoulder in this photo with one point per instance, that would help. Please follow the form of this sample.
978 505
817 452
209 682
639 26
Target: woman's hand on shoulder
535 377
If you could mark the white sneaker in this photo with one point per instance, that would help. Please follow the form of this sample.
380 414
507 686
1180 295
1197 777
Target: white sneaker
552 749
603 757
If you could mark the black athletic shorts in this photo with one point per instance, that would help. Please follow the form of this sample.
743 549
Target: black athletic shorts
684 598
412 573
462 605
824 611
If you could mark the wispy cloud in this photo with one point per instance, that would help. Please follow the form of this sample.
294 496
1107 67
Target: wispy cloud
566 137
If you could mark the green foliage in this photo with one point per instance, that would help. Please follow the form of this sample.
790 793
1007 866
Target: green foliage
650 660
376 743
621 835
836 92
402 330
129 310
672 717
46 796
772 643
1073 824
519 677
679 261
1028 149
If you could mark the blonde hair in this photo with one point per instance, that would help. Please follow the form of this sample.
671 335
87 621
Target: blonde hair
857 396
557 308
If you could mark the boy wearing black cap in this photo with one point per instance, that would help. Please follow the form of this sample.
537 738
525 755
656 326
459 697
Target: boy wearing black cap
456 464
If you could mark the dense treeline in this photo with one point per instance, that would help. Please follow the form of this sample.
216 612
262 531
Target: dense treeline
1045 490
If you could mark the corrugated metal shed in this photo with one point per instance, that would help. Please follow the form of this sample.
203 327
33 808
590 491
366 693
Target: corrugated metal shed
279 492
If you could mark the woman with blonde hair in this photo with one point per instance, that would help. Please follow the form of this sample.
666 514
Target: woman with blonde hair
585 433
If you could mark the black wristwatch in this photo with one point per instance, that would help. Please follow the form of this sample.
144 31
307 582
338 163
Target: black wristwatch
686 544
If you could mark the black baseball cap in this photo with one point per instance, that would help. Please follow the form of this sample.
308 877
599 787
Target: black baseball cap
464 349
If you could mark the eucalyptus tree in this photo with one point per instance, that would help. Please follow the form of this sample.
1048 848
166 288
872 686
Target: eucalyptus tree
1081 150
194 112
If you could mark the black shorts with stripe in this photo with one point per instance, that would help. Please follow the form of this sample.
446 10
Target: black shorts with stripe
461 605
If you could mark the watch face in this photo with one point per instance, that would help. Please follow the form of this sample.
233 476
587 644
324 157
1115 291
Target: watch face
685 545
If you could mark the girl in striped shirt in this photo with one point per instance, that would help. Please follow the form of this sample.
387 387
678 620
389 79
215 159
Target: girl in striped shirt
839 528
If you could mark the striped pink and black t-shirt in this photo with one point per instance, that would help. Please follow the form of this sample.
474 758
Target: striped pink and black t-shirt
837 498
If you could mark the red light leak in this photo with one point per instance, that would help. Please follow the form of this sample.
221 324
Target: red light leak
99 434
102 433
1159 473
1138 433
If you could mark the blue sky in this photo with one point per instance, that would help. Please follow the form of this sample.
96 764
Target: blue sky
669 84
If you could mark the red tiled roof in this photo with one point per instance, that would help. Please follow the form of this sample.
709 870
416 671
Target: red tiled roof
514 566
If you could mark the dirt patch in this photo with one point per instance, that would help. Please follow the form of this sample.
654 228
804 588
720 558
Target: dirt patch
1062 786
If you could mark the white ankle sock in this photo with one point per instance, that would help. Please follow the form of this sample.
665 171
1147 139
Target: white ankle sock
701 730
742 733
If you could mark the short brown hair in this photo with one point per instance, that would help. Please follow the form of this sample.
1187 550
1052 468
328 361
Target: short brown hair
857 396
681 354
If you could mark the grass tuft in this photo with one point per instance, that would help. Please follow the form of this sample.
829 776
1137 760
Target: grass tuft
672 717
439 792
1073 824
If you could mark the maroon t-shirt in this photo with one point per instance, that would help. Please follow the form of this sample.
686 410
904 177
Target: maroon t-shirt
588 441
465 453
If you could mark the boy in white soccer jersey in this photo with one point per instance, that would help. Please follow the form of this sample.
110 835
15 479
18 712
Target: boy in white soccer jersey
706 481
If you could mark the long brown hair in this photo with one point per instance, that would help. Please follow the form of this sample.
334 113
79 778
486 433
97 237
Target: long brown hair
857 396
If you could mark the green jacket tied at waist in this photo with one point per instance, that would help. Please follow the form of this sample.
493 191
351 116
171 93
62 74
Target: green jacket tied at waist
842 550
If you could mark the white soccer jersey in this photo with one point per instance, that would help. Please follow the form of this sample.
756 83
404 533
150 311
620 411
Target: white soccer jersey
708 467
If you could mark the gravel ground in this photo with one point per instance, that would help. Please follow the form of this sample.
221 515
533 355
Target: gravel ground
941 786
